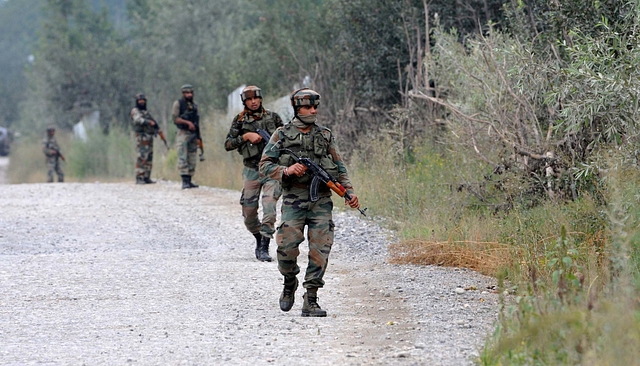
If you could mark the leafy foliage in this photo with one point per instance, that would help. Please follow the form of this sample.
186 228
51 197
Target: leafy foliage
84 65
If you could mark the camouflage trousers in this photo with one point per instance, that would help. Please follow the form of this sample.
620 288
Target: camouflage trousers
296 214
53 165
187 152
271 192
144 147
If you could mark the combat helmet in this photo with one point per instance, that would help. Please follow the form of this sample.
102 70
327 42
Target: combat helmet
304 97
140 96
250 91
187 88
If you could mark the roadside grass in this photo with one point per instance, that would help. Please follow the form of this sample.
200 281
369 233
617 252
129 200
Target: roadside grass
27 162
570 269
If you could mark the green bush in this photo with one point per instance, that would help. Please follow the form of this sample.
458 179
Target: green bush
102 155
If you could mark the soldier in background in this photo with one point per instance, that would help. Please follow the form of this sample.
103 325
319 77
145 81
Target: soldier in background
185 116
306 139
145 128
249 134
51 151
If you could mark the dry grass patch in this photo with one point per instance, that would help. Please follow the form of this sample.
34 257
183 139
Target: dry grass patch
483 257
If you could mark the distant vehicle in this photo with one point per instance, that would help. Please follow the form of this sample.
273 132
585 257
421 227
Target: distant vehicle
5 141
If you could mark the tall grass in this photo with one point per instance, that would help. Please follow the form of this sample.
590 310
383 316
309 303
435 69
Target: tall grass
27 162
571 268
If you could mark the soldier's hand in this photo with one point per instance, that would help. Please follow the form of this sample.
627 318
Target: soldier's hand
192 127
152 123
252 137
353 203
296 169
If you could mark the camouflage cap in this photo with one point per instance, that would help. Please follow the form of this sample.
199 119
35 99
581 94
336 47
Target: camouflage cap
140 96
251 91
187 88
305 97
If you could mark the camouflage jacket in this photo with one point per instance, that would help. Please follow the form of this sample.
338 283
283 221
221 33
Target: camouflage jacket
318 144
248 122
50 147
140 119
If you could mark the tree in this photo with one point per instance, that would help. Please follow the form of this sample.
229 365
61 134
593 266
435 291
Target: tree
83 65
19 22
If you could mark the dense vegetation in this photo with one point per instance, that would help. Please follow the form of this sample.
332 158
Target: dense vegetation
533 103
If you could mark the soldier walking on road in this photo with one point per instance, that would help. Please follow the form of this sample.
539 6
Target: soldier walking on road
249 134
145 128
51 150
305 139
185 116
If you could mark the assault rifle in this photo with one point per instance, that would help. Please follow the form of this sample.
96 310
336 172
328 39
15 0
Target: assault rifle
196 136
320 175
264 134
158 132
59 154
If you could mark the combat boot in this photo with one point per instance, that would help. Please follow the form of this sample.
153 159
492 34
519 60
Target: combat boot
191 184
186 181
287 298
139 179
310 306
148 180
262 249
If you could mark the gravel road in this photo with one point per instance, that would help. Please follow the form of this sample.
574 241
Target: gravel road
119 274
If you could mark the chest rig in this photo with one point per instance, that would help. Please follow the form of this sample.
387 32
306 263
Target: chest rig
313 145
251 153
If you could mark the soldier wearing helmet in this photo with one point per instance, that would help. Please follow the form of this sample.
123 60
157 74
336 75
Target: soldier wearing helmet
145 128
51 151
249 134
306 139
185 116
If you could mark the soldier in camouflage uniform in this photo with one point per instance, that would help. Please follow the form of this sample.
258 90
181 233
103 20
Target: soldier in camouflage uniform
185 116
145 128
51 150
249 134
306 139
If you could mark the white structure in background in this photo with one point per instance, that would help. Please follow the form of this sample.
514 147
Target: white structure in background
89 121
234 103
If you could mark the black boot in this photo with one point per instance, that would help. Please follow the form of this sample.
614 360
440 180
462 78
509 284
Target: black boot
139 179
310 306
148 180
287 298
262 249
186 181
192 185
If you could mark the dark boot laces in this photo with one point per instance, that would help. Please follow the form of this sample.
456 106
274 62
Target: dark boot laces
313 302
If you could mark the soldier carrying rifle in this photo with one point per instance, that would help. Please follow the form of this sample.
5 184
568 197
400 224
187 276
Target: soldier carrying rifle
145 128
185 116
249 133
51 150
283 159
